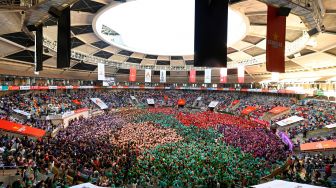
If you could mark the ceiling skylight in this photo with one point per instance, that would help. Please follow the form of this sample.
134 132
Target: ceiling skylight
159 27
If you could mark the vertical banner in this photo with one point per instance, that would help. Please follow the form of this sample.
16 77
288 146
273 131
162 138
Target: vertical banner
132 75
241 73
275 45
192 76
101 71
223 75
207 76
163 74
148 75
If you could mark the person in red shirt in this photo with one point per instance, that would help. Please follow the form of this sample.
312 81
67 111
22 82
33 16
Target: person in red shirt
327 171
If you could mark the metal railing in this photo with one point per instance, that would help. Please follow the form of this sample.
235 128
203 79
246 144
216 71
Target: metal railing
291 48
308 10
17 4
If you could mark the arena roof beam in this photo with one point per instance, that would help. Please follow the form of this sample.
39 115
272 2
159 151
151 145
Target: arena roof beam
308 10
261 13
38 14
328 11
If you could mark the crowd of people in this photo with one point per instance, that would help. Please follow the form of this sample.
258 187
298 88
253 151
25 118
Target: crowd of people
316 114
210 119
260 142
310 169
144 135
160 146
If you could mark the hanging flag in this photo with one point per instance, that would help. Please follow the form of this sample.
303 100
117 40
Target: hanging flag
275 40
132 75
207 76
192 76
163 76
148 75
275 76
241 73
101 71
223 75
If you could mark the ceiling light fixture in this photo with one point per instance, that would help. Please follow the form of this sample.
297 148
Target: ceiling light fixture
160 27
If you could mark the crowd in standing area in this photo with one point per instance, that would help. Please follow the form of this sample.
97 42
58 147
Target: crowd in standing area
160 146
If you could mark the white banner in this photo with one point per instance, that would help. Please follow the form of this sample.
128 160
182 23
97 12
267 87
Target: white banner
101 71
150 101
109 81
289 120
331 126
223 75
86 185
199 98
52 87
24 87
275 77
284 184
148 75
100 103
67 114
55 116
22 113
163 76
213 104
241 73
207 76
133 98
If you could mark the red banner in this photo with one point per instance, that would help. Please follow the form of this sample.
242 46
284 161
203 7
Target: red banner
241 73
61 87
223 75
327 144
278 110
76 101
43 87
81 110
181 102
21 129
235 102
12 88
132 75
261 121
192 76
275 41
264 90
248 110
244 90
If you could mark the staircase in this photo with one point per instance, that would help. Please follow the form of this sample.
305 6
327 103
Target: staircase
195 103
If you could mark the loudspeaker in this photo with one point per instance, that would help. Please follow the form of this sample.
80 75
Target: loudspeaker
33 27
38 56
39 49
313 32
55 11
63 35
283 11
210 42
